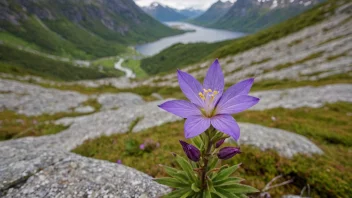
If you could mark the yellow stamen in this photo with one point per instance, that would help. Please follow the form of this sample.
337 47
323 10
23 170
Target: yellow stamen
201 95
215 93
205 91
209 90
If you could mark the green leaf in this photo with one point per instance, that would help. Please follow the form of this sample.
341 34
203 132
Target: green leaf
197 141
224 193
225 173
195 188
177 174
242 196
206 194
210 185
183 192
171 182
212 163
228 181
239 189
187 167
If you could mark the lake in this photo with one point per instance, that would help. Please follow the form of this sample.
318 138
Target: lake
199 34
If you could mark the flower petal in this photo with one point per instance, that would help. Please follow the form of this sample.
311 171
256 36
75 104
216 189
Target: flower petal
181 108
241 88
236 104
226 124
196 125
215 78
190 87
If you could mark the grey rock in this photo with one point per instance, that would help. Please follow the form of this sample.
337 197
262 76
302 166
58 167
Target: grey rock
111 101
34 100
84 109
285 143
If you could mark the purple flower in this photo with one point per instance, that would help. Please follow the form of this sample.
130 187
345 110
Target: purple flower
228 152
119 161
191 151
209 104
219 143
142 146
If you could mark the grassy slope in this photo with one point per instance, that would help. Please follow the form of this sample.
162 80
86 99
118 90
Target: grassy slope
91 44
19 62
256 19
181 55
328 175
88 37
33 32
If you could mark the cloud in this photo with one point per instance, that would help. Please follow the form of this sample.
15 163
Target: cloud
180 4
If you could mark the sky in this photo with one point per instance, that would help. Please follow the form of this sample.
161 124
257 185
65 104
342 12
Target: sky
181 4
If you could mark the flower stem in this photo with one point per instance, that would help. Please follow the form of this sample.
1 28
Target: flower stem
206 155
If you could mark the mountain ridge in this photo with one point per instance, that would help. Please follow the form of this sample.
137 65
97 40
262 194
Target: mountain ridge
163 13
78 28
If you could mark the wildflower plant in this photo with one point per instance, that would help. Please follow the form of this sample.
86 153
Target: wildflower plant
208 124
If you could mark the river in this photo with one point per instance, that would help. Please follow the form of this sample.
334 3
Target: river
129 73
199 34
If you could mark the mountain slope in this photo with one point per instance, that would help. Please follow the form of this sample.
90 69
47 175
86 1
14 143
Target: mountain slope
181 55
79 28
164 13
190 12
251 15
216 11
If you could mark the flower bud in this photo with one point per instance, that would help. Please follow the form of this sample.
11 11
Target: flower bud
142 146
219 143
119 161
191 151
228 152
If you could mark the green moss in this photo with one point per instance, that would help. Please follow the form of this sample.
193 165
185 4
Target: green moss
16 126
328 175
334 57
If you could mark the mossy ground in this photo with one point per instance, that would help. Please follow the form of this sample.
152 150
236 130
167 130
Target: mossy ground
328 175
14 125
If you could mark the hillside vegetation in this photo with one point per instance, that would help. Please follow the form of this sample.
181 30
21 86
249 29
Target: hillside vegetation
19 62
181 55
80 29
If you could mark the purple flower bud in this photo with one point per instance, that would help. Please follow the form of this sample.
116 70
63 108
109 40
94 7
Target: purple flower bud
191 151
219 143
228 152
142 146
119 161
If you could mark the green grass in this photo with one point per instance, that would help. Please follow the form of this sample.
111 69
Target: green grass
134 65
19 62
178 56
106 66
16 126
328 175
32 31
10 39
182 55
84 40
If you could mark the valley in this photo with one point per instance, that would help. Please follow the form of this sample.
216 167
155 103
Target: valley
81 81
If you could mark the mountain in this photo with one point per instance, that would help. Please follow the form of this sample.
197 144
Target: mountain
253 15
82 29
181 55
190 12
163 13
216 11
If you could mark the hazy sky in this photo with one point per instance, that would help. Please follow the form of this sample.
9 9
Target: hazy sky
180 4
